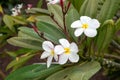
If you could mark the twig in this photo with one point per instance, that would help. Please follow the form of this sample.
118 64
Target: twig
2 74
114 43
52 17
112 56
37 31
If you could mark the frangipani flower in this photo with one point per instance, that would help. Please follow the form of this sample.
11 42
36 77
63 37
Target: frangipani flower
49 52
86 25
17 10
53 1
67 51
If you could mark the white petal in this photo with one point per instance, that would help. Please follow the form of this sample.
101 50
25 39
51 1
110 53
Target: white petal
78 32
56 57
45 54
76 24
90 32
64 43
84 19
73 57
59 49
47 46
94 23
49 60
73 47
63 59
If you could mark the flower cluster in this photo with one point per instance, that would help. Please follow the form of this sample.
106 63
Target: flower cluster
17 10
68 51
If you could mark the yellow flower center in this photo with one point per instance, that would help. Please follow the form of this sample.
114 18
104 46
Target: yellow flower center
67 50
52 52
85 26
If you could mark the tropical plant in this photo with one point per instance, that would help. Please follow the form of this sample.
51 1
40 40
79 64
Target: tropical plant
53 30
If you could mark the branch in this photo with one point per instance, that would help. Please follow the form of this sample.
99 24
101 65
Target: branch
2 74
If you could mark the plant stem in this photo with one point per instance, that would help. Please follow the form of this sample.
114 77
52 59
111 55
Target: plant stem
114 43
2 74
37 31
112 56
52 17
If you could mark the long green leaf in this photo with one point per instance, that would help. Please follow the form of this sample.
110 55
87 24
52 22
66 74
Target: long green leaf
79 72
33 72
71 16
26 42
89 8
105 35
50 31
9 22
108 10
19 61
57 12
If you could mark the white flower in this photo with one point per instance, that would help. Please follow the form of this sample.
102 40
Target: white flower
17 10
14 12
53 1
49 52
67 51
86 25
19 6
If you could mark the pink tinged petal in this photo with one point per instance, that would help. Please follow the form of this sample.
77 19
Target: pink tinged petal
47 46
56 57
90 32
76 24
94 23
45 55
59 49
74 47
84 19
64 43
78 32
73 57
63 59
49 61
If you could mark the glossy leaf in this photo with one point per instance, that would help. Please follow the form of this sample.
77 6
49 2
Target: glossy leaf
57 12
33 72
108 10
38 10
77 3
105 35
71 16
79 72
9 22
50 31
20 60
26 42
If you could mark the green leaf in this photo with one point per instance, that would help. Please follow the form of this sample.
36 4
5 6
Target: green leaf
117 25
71 16
57 12
77 3
33 72
28 32
50 31
38 10
39 4
89 8
108 10
19 20
46 19
79 72
105 35
26 42
9 22
19 61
